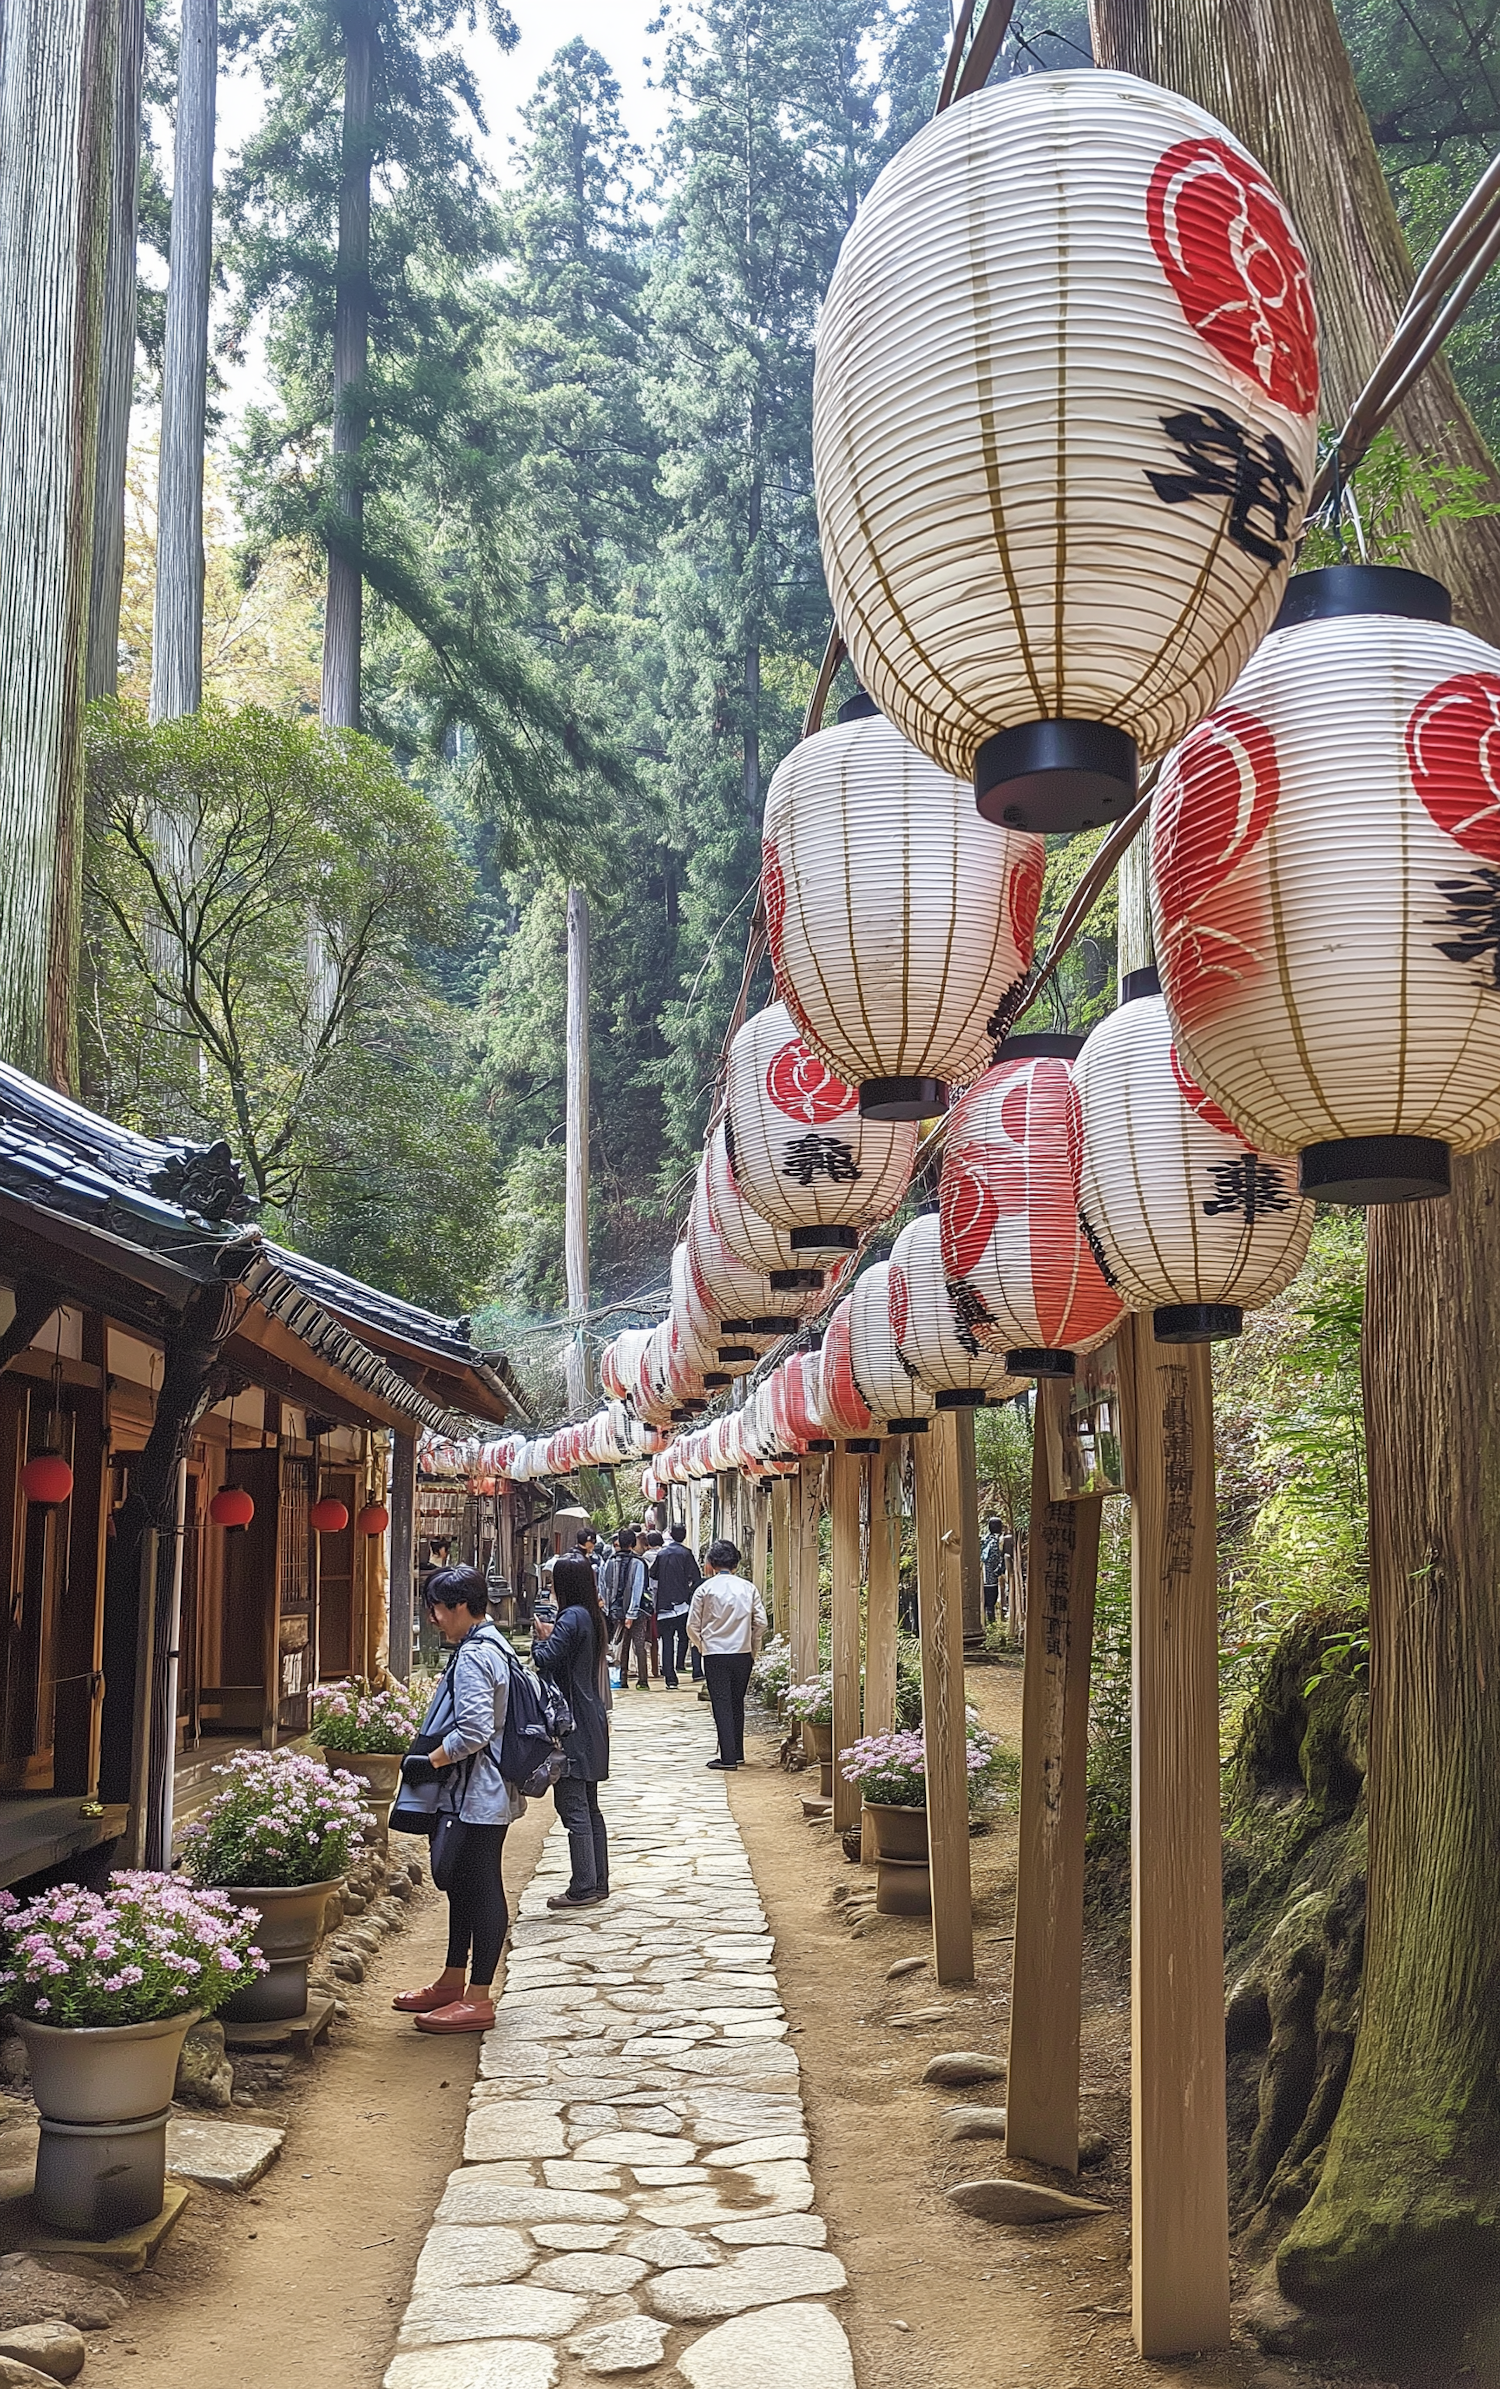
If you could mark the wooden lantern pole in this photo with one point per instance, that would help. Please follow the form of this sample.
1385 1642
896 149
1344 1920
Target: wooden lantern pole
1041 2092
943 1725
779 1591
760 1572
807 1489
845 1471
1179 2139
881 1604
970 1572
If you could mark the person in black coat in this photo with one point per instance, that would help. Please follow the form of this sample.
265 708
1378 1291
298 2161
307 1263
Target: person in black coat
574 1657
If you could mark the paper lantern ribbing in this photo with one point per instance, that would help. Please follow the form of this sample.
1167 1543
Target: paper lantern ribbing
898 923
697 1329
1018 1268
1064 425
885 1382
804 1156
841 1406
620 1360
754 1240
1324 856
930 1330
1190 1222
739 1295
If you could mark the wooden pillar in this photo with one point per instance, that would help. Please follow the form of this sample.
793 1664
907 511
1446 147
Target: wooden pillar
576 1150
779 1588
1179 2186
845 1472
1041 2092
403 1551
760 1521
943 1710
970 1573
880 1603
807 1491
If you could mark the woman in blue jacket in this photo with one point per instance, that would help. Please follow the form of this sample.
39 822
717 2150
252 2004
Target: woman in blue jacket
469 1703
575 1658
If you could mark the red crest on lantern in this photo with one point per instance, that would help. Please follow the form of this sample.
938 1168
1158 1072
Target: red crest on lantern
1204 1105
899 1296
1453 748
1226 245
805 1088
1215 803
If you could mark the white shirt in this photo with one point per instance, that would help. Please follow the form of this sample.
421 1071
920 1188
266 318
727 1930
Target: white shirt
727 1615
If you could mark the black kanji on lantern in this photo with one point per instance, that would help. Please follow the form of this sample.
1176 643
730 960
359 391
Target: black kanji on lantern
1474 910
1247 1187
1223 460
1091 1238
969 1312
813 1156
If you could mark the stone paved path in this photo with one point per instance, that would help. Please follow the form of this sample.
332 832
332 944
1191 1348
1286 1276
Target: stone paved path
635 2197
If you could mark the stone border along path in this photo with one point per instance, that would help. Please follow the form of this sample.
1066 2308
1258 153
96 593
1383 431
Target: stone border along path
635 2193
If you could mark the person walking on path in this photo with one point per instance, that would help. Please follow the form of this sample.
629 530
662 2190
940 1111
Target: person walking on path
575 1657
727 1623
469 1702
629 1607
678 1577
991 1555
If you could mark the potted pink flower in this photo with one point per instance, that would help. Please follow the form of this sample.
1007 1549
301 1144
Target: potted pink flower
366 1731
105 1987
276 1839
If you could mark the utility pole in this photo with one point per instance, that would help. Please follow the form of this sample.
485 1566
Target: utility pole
576 1213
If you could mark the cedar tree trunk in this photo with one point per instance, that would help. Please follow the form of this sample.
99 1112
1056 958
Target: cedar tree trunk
56 115
1410 2193
117 360
177 621
343 619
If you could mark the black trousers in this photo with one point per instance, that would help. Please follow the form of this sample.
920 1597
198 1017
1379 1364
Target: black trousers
728 1674
672 1641
577 1803
478 1918
991 1600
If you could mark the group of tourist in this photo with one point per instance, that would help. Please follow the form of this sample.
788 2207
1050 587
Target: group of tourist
596 1611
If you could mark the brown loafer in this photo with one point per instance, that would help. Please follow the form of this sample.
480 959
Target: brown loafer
460 2015
422 2003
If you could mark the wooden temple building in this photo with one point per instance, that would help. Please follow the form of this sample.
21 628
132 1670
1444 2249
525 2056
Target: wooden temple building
153 1339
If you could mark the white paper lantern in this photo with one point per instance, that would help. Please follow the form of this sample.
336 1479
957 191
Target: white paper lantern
754 1240
804 1157
1324 856
749 1313
697 1329
841 1406
1020 1273
885 1380
621 1359
898 922
930 1331
1064 425
1187 1219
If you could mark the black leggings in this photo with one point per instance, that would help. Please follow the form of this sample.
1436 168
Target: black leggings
477 1915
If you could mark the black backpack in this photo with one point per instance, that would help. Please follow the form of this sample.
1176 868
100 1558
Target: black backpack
536 1718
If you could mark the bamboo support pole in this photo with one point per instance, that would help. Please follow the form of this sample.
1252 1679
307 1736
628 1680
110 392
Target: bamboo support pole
880 1605
943 1709
760 1569
1041 2092
845 1471
1179 2184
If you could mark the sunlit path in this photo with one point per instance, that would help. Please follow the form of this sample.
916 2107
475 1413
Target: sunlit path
636 2190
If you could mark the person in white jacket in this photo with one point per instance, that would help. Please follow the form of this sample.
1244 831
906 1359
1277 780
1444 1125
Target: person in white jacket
727 1623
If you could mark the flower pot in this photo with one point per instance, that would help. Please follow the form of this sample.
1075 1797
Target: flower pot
104 2092
899 1832
378 1773
290 1928
819 1738
903 1887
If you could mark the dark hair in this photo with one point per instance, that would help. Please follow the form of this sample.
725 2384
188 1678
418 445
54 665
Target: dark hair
626 1538
723 1554
573 1587
457 1588
586 1534
653 1538
994 1522
678 1531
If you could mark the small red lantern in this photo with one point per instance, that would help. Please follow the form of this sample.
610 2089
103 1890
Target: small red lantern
231 1506
47 1479
373 1519
328 1517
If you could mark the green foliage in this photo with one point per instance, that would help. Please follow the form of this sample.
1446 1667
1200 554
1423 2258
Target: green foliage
255 892
1393 492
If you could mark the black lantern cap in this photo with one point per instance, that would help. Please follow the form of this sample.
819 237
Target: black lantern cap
857 708
775 1325
1197 1322
736 1352
959 1397
906 1426
795 1281
1135 984
1037 1361
1044 1044
1056 777
824 1240
1337 589
902 1098
820 1443
1375 1169
716 1380
862 1443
